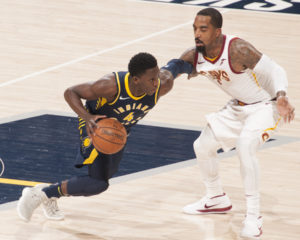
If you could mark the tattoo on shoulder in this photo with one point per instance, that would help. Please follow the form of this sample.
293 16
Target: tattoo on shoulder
243 55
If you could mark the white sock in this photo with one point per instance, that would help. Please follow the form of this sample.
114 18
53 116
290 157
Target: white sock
253 206
214 188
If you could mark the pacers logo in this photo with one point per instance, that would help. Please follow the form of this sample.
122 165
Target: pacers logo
2 167
87 142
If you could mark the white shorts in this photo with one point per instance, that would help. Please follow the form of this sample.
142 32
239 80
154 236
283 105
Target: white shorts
253 120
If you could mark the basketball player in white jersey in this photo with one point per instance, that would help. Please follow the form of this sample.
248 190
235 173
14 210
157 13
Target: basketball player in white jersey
258 87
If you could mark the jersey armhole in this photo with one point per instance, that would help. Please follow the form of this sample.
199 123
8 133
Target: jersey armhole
119 89
157 92
196 59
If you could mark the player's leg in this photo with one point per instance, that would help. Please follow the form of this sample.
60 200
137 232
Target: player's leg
251 138
205 148
96 181
247 146
99 166
215 200
103 167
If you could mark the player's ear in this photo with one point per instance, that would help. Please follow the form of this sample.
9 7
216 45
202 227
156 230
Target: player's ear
135 79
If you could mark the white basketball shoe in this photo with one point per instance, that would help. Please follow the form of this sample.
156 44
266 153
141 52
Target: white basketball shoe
31 198
207 205
50 207
252 228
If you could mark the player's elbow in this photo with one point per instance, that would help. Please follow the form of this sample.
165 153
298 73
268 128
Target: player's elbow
167 82
67 94
70 94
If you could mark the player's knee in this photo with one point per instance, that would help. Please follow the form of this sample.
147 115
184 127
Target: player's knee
206 146
86 186
247 146
242 145
199 149
97 187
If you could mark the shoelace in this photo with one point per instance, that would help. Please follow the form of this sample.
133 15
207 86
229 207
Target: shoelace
36 200
51 206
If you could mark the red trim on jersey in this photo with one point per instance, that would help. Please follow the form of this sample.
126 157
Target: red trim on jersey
229 60
220 54
196 59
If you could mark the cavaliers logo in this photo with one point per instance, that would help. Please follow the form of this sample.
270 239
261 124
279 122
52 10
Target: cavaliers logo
265 136
219 75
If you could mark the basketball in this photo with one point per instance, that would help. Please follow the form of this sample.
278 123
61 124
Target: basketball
110 136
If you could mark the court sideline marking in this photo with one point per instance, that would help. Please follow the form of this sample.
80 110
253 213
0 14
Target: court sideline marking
144 173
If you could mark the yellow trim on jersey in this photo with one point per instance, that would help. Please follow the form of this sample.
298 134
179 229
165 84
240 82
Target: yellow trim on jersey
100 102
92 157
254 75
273 128
81 125
157 90
128 89
119 90
211 59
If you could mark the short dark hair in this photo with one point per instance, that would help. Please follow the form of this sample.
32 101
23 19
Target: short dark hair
216 16
140 62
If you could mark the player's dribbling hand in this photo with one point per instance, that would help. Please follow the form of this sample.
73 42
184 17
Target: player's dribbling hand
285 109
91 123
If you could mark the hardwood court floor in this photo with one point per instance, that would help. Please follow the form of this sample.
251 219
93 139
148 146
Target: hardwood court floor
47 46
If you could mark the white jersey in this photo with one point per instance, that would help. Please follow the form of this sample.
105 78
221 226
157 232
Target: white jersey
243 86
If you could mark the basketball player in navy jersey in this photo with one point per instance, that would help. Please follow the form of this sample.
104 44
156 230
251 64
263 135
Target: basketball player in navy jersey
126 96
258 88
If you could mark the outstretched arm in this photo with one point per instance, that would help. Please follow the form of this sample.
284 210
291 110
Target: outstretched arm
168 73
104 87
189 56
174 68
274 80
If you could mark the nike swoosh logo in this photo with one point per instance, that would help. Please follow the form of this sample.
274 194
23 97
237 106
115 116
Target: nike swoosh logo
206 206
200 62
122 98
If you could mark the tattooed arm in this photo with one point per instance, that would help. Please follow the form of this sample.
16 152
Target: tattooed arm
243 55
189 56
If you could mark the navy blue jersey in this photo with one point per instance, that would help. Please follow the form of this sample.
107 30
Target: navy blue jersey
127 108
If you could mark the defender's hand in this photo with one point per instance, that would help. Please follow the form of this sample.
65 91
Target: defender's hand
193 74
285 109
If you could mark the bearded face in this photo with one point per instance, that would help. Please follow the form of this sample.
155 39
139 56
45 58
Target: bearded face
199 45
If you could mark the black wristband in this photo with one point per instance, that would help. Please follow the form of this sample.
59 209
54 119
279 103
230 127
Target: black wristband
178 66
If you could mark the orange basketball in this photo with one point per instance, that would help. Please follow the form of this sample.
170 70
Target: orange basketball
110 136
